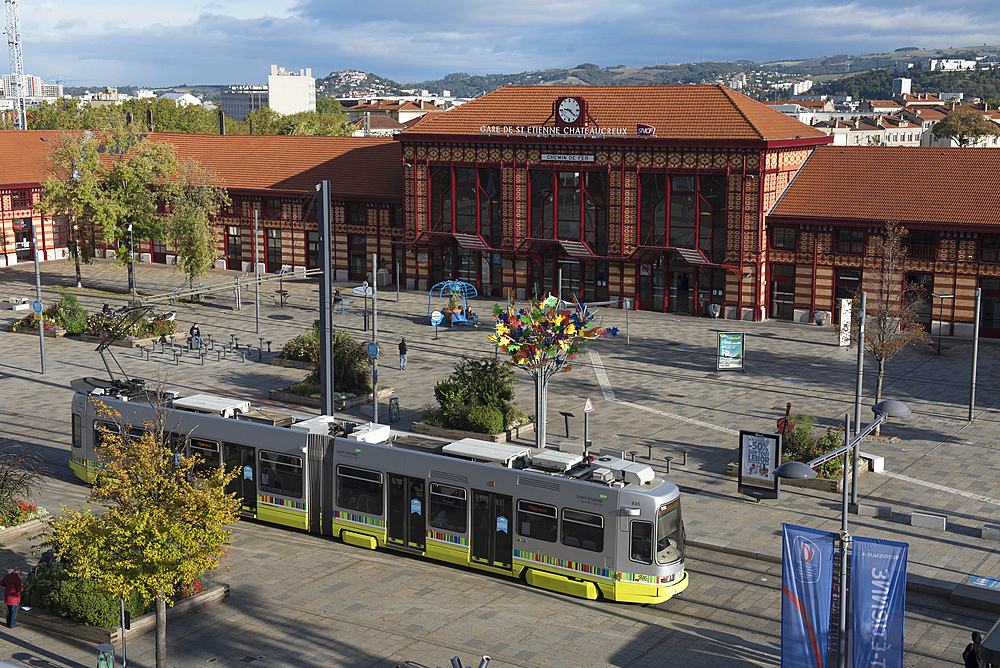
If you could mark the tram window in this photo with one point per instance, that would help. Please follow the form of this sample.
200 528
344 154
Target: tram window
102 431
448 505
536 520
584 530
281 474
669 533
77 432
359 489
209 451
641 542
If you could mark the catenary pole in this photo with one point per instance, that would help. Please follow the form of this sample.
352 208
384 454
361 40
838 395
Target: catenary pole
375 337
862 309
256 275
325 299
38 296
975 356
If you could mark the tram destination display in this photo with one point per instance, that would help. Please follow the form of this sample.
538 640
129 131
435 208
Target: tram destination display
760 454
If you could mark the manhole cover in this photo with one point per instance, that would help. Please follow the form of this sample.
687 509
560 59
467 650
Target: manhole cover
426 368
281 317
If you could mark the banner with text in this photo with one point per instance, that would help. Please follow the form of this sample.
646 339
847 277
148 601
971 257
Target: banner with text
806 583
878 590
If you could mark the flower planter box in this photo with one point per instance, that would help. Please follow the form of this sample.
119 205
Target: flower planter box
37 618
821 484
292 398
135 343
292 364
520 431
56 333
23 527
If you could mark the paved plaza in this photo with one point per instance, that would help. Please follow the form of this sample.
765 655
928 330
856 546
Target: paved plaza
655 391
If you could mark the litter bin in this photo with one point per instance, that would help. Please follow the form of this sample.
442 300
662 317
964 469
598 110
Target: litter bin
393 409
105 655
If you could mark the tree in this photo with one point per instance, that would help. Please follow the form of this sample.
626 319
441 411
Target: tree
197 196
892 303
74 191
966 126
542 340
166 520
136 186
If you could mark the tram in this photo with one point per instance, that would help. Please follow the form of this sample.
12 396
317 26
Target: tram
588 527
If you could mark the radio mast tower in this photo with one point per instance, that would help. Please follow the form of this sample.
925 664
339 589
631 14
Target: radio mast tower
16 64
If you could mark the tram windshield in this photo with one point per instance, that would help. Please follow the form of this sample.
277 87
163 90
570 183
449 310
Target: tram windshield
669 533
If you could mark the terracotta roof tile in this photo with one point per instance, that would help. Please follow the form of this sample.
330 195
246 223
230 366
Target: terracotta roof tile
355 166
909 184
677 112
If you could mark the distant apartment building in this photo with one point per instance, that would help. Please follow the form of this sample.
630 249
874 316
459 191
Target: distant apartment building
901 86
285 92
950 65
31 86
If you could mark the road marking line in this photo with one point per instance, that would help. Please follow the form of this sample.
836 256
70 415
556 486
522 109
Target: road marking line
934 485
609 395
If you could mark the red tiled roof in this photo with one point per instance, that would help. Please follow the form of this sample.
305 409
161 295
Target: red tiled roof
908 184
378 122
677 112
25 154
355 166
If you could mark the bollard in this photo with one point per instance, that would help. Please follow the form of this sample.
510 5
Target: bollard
236 343
632 454
566 415
203 353
261 339
232 337
211 346
268 347
218 355
668 464
684 459
140 351
260 353
105 655
177 358
649 451
243 355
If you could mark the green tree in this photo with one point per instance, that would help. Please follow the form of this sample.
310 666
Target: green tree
892 304
136 186
21 475
164 522
966 126
74 192
197 196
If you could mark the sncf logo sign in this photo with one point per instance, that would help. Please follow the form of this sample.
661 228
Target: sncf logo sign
643 129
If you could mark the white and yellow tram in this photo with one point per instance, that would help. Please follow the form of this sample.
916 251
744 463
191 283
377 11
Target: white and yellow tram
598 527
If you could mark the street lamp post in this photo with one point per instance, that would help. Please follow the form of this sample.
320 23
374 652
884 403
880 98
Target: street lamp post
797 470
942 297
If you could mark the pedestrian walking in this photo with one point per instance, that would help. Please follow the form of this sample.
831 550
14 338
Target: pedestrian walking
12 589
402 354
973 653
195 334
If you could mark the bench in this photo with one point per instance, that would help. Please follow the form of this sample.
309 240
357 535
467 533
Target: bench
459 318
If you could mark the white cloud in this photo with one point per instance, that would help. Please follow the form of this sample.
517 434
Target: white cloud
234 41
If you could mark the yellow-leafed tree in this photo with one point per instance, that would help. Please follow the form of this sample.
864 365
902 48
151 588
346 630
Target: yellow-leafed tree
166 519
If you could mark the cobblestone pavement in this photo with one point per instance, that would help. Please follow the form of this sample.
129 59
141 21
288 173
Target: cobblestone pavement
655 389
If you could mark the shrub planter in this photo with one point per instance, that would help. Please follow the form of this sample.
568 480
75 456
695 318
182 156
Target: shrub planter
291 398
56 333
821 484
292 364
135 343
520 431
37 618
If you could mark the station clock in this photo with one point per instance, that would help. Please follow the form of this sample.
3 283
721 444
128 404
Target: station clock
570 111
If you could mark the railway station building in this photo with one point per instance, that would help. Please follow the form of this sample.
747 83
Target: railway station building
682 199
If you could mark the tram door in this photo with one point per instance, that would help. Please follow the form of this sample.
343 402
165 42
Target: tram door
245 485
406 512
492 522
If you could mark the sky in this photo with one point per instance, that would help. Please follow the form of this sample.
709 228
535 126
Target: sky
158 43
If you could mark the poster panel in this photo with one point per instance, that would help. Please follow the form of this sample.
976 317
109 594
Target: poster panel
806 583
760 454
878 590
730 351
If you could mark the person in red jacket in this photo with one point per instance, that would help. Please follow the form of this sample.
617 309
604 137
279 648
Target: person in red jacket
12 589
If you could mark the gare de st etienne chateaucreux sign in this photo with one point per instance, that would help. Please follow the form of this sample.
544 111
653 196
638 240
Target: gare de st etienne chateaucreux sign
641 130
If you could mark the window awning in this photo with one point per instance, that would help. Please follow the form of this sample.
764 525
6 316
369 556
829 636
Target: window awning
534 246
472 242
577 249
432 240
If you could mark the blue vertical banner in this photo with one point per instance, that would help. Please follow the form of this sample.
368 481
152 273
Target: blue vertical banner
806 583
878 590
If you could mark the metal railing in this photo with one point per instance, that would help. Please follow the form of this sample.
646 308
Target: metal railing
237 285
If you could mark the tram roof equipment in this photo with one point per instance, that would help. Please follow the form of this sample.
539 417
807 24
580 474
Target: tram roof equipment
212 405
484 451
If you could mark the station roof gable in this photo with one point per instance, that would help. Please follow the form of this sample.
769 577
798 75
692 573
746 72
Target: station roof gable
907 184
677 112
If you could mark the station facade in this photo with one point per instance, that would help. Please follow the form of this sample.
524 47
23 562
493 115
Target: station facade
683 199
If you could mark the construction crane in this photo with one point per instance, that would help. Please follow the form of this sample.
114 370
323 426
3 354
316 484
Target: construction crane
16 64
